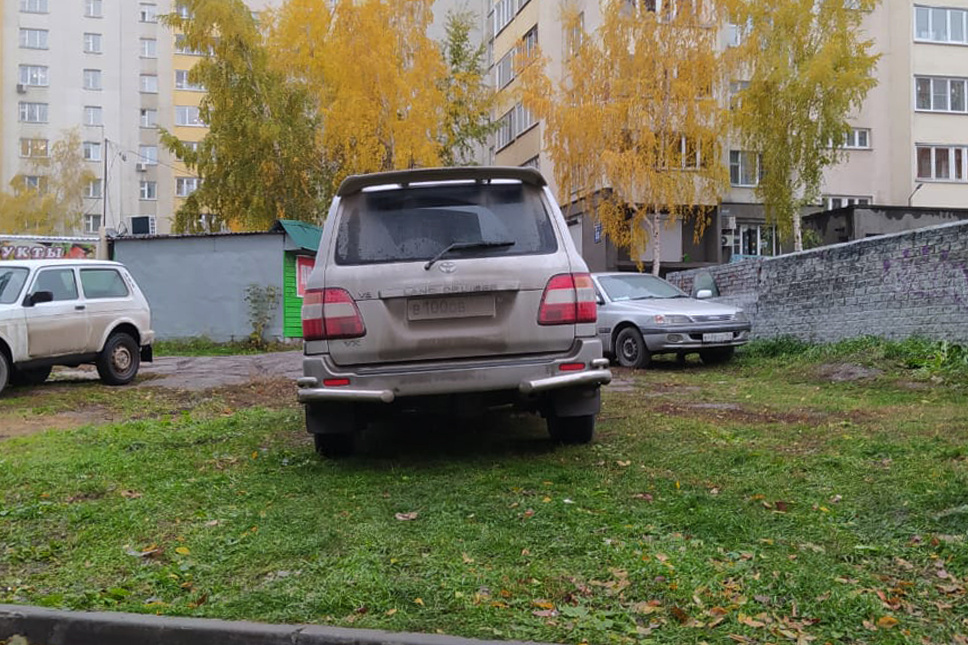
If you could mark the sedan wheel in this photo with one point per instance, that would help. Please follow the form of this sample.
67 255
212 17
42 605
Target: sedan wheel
630 349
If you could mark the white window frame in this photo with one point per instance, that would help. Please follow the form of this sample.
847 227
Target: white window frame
93 115
149 48
504 70
504 12
92 223
34 6
34 75
148 190
934 16
182 82
93 43
91 151
188 116
957 163
504 135
149 118
93 80
30 147
93 9
34 38
149 83
93 189
148 154
34 112
845 200
945 84
743 160
185 186
151 223
148 12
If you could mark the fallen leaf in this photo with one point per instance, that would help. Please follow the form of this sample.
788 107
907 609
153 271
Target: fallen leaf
130 494
525 552
750 622
182 550
418 601
390 612
680 615
643 496
780 506
645 608
887 622
467 559
528 513
542 604
624 464
545 613
406 517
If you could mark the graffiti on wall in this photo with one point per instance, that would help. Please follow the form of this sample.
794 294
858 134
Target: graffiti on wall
43 250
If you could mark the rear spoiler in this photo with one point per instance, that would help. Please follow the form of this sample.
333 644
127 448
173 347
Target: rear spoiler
356 183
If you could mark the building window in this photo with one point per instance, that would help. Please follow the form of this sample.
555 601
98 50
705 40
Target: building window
92 223
33 112
92 79
504 70
33 6
191 146
182 47
148 12
148 155
35 182
941 94
33 75
93 189
92 43
940 25
149 83
833 202
529 42
33 148
149 118
752 239
91 150
92 8
942 163
185 186
505 130
33 38
93 115
523 119
182 82
149 190
183 11
744 168
857 139
573 36
187 115
149 48
504 11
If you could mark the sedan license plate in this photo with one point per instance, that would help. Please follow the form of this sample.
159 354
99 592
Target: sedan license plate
442 308
721 337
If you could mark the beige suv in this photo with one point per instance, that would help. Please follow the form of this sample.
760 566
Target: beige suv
69 312
451 290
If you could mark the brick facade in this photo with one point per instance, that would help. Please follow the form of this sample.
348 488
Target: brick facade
893 286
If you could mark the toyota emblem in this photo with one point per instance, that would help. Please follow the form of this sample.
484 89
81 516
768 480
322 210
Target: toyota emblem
447 267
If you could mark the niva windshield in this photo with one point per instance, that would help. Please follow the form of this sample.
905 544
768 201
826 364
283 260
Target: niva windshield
416 223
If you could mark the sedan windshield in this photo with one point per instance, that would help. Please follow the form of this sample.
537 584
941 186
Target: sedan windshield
637 286
11 281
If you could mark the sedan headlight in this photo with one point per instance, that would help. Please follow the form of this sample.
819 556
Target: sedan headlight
741 317
672 319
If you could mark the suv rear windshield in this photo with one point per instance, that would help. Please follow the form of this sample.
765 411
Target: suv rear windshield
416 223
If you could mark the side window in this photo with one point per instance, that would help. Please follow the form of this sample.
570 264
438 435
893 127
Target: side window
103 283
60 282
705 280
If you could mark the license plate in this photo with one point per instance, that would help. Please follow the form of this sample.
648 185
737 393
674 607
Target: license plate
442 308
721 337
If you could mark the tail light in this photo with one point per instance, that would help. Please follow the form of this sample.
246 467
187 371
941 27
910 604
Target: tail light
328 314
569 298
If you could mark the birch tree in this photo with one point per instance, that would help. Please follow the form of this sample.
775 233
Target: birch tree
634 126
809 67
259 160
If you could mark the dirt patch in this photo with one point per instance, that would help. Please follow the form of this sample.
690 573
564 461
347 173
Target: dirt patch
735 413
846 372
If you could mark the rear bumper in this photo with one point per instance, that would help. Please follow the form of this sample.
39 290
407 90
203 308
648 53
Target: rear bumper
529 376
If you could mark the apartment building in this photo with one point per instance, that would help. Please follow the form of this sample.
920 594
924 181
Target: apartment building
110 69
909 144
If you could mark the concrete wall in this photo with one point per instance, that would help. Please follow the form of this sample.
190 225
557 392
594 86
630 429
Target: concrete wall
196 285
894 286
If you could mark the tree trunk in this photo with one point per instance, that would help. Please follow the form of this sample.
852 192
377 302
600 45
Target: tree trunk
797 232
656 241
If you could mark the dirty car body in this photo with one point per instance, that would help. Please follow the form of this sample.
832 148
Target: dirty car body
642 315
450 289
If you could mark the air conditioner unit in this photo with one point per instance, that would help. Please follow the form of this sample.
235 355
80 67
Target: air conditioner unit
141 167
21 88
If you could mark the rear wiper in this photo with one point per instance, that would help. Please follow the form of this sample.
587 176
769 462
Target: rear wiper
464 245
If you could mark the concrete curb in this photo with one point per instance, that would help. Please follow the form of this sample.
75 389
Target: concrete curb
41 626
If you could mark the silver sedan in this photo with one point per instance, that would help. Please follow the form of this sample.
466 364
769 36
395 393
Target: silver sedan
641 315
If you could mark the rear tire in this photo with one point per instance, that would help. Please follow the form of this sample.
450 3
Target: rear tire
630 349
716 356
34 376
4 371
334 446
572 430
119 361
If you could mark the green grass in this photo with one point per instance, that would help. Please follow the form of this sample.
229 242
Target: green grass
760 501
202 346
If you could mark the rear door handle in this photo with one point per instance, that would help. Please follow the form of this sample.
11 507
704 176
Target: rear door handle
79 307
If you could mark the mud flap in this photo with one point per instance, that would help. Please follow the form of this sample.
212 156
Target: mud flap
574 402
147 354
